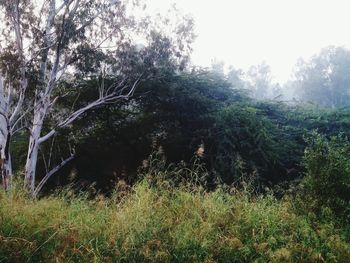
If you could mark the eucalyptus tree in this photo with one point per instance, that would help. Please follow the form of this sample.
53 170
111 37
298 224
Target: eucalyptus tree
260 80
325 78
66 41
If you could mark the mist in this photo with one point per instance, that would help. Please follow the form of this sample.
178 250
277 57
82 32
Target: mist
323 80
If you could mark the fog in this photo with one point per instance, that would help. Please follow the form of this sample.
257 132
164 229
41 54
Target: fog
273 45
247 32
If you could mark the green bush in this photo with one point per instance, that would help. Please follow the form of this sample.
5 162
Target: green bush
241 142
327 163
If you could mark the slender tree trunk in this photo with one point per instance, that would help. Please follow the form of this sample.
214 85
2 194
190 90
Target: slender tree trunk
30 167
41 105
5 139
6 173
33 148
6 164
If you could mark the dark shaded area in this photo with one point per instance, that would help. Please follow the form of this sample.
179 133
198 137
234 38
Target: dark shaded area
181 112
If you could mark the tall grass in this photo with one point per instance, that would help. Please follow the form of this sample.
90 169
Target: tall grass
156 222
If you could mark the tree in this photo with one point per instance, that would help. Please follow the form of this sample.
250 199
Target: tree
260 80
63 41
325 78
327 179
235 77
12 86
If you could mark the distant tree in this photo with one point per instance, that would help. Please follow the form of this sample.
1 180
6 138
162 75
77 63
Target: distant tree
218 67
260 81
236 78
325 78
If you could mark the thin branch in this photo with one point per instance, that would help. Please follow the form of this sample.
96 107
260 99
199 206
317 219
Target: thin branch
107 99
51 150
88 22
50 173
75 101
24 81
18 129
45 163
74 10
60 8
20 101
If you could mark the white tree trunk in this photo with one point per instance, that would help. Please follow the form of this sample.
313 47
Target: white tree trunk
48 82
33 148
5 135
6 172
6 165
31 161
9 108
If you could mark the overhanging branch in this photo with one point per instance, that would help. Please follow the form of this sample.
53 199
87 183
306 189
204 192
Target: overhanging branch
112 97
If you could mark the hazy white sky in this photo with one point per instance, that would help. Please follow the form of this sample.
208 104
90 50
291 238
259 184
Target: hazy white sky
246 32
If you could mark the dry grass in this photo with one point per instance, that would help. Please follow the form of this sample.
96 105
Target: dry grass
157 223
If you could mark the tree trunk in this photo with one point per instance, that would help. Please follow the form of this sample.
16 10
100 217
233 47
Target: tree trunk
6 174
33 149
31 161
6 164
5 159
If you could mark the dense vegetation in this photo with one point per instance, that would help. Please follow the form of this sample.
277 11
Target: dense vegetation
191 169
114 148
163 218
180 113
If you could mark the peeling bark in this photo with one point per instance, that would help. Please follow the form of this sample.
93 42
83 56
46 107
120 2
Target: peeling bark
6 165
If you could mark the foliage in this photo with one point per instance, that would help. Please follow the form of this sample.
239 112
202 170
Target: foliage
181 111
240 142
94 42
327 179
174 111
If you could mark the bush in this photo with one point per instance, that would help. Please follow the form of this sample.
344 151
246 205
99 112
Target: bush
241 142
327 163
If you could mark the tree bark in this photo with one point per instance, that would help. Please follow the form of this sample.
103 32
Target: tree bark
33 148
6 164
5 134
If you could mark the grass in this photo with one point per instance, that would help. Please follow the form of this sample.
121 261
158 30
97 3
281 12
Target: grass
158 223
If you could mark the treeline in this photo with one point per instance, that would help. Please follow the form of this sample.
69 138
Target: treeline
323 80
74 110
179 113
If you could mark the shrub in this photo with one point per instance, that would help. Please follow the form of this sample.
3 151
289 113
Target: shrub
327 181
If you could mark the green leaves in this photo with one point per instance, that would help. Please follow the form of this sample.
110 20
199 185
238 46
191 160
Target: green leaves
327 164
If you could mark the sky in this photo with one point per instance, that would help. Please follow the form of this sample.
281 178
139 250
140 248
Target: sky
242 33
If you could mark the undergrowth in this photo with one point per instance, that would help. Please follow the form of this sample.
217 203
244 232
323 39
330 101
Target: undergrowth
156 222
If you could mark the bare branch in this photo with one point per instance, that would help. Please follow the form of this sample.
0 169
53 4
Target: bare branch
18 129
51 150
24 81
92 19
50 173
106 99
74 10
45 163
20 101
48 27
